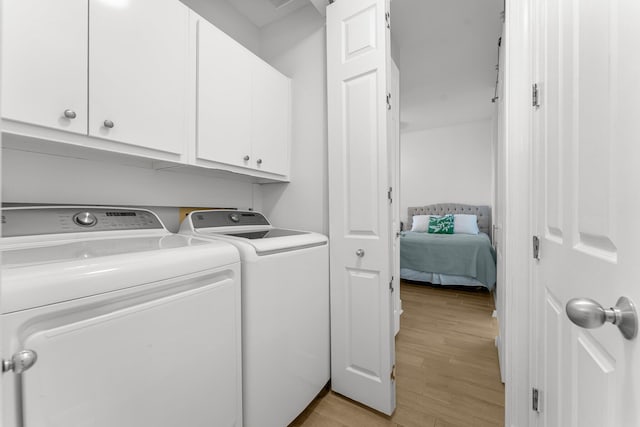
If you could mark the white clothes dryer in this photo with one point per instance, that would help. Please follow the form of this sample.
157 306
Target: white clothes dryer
285 311
110 320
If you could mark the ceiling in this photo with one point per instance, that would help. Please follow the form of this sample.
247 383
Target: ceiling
448 56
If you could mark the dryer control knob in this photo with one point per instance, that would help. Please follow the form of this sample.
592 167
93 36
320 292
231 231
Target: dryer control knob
85 219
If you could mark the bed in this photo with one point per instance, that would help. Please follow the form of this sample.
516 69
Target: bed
449 259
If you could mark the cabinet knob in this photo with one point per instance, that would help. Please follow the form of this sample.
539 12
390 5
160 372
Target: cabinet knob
108 124
259 161
246 158
70 114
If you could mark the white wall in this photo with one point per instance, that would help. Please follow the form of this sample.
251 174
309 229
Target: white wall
446 164
296 46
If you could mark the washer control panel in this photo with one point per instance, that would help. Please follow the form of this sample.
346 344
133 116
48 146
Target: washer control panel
226 218
56 220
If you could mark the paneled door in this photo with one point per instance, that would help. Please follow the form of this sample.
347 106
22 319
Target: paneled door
587 194
358 77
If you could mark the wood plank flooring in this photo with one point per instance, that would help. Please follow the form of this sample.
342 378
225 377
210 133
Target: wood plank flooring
447 367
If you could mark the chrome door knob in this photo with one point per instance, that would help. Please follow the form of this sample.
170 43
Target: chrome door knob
20 362
108 124
246 158
70 114
589 314
360 252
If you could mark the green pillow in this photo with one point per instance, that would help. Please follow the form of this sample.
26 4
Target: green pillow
441 224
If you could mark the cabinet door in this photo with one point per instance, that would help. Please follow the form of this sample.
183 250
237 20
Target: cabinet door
44 63
270 119
138 69
224 97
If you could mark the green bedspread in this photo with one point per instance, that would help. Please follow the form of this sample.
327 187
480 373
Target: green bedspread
456 254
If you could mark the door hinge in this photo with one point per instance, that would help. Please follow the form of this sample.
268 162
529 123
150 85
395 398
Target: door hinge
393 373
391 284
536 248
388 101
535 96
387 18
535 400
390 194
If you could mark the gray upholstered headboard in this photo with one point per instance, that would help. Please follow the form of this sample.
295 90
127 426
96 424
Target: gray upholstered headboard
482 212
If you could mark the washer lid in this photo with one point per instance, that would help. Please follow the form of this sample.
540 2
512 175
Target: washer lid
42 273
290 240
250 228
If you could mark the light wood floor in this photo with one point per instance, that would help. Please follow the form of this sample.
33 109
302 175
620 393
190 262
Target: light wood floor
447 367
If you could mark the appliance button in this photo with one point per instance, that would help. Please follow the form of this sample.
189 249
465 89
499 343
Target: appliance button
85 219
234 217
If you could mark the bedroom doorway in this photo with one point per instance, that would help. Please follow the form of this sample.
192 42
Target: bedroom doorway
450 102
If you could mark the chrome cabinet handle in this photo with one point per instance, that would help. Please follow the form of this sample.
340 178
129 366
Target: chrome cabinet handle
589 314
70 114
20 362
259 161
246 158
108 124
360 252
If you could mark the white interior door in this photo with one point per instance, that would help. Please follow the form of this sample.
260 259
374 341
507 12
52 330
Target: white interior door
587 194
362 339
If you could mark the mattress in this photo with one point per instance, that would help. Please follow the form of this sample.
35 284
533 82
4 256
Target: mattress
463 256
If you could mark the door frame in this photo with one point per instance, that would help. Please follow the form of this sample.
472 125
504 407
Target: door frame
518 219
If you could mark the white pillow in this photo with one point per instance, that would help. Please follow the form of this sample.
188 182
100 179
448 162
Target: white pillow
420 223
465 224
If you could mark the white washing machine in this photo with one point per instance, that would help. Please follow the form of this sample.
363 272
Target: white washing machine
285 311
110 320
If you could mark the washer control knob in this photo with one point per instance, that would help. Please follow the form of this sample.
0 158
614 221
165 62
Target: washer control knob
85 219
234 217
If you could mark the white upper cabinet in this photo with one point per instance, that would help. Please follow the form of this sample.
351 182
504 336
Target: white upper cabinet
223 97
147 78
44 63
138 68
243 107
271 112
